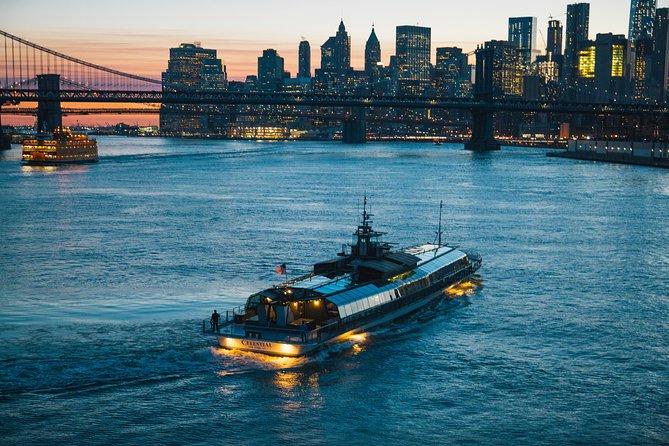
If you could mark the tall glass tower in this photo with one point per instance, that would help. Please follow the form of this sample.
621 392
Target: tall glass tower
578 30
523 33
304 60
642 16
412 49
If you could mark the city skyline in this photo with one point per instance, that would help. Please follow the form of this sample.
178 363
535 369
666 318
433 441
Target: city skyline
145 51
240 36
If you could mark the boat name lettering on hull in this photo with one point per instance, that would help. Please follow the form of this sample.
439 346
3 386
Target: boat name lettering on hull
257 344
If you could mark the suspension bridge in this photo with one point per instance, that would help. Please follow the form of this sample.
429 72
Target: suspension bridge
31 73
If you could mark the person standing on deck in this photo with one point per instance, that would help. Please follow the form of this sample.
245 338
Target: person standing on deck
215 318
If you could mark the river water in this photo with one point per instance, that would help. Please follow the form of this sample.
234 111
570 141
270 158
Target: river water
107 270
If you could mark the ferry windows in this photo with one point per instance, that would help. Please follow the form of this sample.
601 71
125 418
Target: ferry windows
369 302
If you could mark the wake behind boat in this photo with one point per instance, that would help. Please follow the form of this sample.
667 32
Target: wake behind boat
366 285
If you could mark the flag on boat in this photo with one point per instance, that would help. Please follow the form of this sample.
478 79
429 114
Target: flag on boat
280 269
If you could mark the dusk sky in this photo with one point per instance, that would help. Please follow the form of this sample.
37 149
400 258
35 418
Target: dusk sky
135 36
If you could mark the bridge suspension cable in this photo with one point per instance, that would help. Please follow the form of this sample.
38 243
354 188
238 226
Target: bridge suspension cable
23 61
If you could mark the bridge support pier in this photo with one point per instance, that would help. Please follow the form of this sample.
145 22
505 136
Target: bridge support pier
355 127
5 140
49 114
483 132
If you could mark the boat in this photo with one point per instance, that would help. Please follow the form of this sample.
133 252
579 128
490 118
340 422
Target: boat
366 285
62 146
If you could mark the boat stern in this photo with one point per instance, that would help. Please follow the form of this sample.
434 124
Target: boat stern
274 348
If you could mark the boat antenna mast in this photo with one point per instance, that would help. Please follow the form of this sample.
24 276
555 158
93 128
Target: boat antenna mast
439 231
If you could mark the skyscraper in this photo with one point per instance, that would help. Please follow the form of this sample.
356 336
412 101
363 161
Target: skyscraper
270 70
642 16
500 66
192 67
660 61
613 59
450 71
523 33
578 28
554 41
412 48
304 60
336 51
335 66
372 54
643 54
605 68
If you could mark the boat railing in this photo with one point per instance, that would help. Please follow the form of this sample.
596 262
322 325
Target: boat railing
296 279
228 317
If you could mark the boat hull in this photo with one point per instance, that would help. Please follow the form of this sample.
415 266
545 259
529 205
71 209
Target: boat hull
277 348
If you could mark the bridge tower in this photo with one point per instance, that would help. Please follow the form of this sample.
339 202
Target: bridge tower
355 126
483 119
5 140
49 114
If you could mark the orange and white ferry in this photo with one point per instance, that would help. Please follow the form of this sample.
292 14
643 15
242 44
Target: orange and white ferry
60 147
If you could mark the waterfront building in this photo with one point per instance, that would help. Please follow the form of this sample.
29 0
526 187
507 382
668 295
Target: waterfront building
304 60
500 67
523 33
413 50
372 55
576 35
642 17
193 68
660 60
270 71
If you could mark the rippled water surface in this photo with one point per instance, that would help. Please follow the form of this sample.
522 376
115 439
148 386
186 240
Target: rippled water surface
107 270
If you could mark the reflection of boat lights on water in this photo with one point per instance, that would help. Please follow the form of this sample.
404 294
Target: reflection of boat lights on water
287 380
65 168
464 288
358 339
277 362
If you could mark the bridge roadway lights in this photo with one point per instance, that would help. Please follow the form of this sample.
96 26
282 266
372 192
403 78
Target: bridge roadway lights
355 127
483 132
49 114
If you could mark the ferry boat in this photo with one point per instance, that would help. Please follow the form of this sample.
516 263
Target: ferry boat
366 285
62 146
